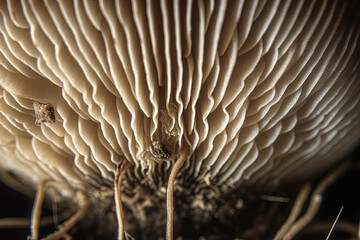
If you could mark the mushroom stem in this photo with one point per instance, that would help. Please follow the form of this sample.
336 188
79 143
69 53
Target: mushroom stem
315 201
66 226
295 211
119 208
36 212
170 197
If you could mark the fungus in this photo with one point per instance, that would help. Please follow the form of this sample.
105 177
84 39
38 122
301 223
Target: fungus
206 99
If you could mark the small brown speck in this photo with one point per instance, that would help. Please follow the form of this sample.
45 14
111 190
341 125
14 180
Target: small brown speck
159 150
44 113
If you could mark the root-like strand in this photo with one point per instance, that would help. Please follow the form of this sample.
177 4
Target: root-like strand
36 213
169 195
341 226
315 201
25 222
22 222
66 226
119 208
295 211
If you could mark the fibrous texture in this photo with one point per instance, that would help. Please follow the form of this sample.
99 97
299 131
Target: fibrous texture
257 93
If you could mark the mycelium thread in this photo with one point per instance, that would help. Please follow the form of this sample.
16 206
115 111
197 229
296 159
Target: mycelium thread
170 197
119 208
315 201
36 213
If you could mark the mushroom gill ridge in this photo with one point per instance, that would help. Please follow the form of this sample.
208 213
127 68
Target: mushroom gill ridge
256 93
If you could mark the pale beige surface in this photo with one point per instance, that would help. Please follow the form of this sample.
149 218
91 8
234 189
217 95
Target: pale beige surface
260 92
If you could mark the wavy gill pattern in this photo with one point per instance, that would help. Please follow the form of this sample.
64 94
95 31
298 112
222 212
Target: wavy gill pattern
260 92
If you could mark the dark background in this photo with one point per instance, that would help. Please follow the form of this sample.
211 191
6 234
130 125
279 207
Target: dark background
345 192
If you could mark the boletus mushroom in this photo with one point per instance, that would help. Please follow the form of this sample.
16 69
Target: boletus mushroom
126 111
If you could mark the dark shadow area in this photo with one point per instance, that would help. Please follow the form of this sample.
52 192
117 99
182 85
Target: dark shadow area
343 193
15 205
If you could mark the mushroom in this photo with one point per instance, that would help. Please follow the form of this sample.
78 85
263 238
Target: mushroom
217 95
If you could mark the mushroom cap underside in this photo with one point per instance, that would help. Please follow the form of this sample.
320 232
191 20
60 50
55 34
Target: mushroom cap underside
258 93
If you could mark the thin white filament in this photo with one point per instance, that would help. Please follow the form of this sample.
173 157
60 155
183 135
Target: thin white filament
336 220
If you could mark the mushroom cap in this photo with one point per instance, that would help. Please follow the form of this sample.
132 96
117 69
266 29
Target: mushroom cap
259 93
